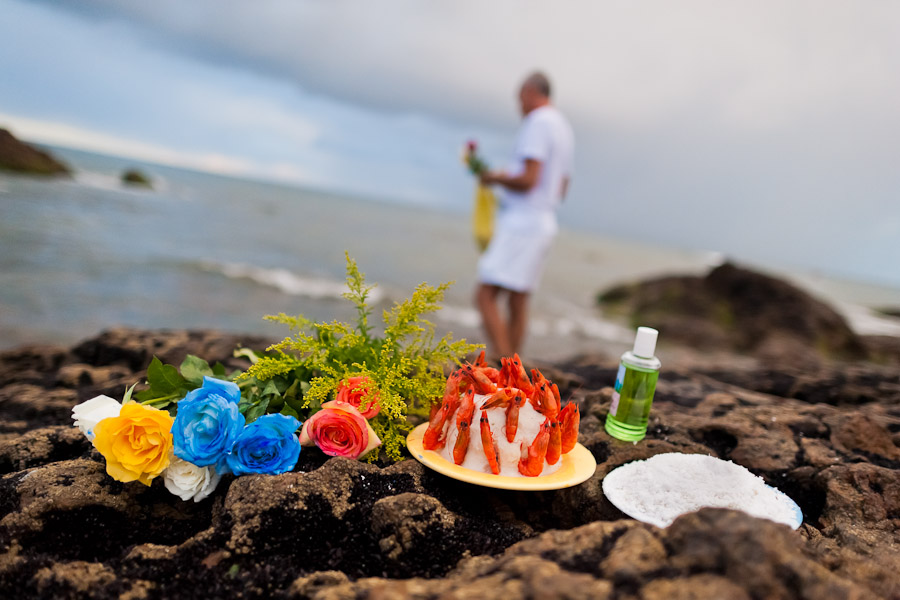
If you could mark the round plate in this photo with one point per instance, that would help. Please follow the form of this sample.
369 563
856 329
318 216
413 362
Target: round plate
577 467
701 468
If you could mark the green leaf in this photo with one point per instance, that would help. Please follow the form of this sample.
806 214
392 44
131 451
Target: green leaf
275 403
289 411
194 369
270 389
143 395
292 391
127 397
219 371
257 410
165 379
292 398
252 356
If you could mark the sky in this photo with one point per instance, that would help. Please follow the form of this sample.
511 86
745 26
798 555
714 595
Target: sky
764 130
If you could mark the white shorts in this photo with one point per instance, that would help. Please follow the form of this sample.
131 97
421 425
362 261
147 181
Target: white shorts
515 257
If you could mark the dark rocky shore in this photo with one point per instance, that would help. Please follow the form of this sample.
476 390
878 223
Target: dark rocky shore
340 529
827 435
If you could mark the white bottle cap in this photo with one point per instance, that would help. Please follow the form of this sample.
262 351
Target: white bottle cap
645 342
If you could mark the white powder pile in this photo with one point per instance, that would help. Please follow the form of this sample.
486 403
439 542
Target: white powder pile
661 488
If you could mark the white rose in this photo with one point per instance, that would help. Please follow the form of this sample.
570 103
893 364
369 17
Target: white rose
90 412
187 480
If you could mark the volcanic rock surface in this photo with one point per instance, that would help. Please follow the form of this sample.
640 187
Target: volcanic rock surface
828 436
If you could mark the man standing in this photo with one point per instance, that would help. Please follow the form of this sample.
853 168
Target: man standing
533 187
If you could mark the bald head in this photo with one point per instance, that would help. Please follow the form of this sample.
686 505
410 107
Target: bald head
535 92
539 83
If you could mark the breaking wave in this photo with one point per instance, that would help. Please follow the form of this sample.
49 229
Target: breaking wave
286 281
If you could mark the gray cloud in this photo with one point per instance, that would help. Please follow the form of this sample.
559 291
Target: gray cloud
749 66
741 122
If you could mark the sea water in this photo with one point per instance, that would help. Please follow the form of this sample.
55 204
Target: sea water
204 251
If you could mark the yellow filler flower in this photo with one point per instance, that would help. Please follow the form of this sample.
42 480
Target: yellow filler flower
136 444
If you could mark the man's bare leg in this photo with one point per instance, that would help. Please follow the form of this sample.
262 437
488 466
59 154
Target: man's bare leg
494 326
518 319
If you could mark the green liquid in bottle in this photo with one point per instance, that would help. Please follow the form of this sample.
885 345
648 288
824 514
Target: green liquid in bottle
635 385
632 398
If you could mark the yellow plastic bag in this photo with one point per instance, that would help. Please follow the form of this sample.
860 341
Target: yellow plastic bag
483 216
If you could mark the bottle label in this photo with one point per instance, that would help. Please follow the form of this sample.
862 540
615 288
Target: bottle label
620 380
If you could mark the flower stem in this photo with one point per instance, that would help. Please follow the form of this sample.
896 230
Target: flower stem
161 399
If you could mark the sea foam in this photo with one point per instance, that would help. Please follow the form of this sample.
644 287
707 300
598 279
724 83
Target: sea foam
287 281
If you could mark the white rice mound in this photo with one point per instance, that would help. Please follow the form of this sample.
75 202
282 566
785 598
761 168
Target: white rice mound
508 455
662 488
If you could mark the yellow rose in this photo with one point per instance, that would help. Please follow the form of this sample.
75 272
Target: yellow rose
136 444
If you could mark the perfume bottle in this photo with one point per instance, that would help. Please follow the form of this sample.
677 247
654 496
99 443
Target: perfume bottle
635 385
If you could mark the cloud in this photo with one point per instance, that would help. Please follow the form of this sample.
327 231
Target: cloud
755 64
703 123
100 85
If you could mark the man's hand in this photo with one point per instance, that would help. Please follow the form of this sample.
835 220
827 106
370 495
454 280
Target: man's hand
519 183
492 177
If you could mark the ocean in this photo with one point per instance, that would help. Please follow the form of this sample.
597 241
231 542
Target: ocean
205 251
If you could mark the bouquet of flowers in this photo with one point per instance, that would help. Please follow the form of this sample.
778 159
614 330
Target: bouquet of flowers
485 204
350 389
471 158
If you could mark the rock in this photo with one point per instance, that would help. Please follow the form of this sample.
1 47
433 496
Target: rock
135 177
695 587
81 375
883 349
42 447
31 364
739 309
526 577
36 405
74 511
322 585
634 556
827 435
20 157
859 433
765 559
406 523
73 578
134 348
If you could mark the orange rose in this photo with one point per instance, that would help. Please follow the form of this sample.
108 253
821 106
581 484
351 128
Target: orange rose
339 430
356 390
136 444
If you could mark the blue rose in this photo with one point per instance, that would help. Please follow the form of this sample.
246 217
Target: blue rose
208 423
268 445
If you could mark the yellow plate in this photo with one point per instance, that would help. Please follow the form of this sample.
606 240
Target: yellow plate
577 467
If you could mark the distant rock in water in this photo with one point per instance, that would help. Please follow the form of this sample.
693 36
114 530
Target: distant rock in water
135 177
890 311
739 309
17 156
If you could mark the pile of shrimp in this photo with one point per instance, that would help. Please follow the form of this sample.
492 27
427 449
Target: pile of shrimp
507 388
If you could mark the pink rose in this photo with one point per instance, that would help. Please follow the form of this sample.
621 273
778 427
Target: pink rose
472 146
339 430
354 391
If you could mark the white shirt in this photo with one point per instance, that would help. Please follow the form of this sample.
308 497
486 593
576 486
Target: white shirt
545 136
